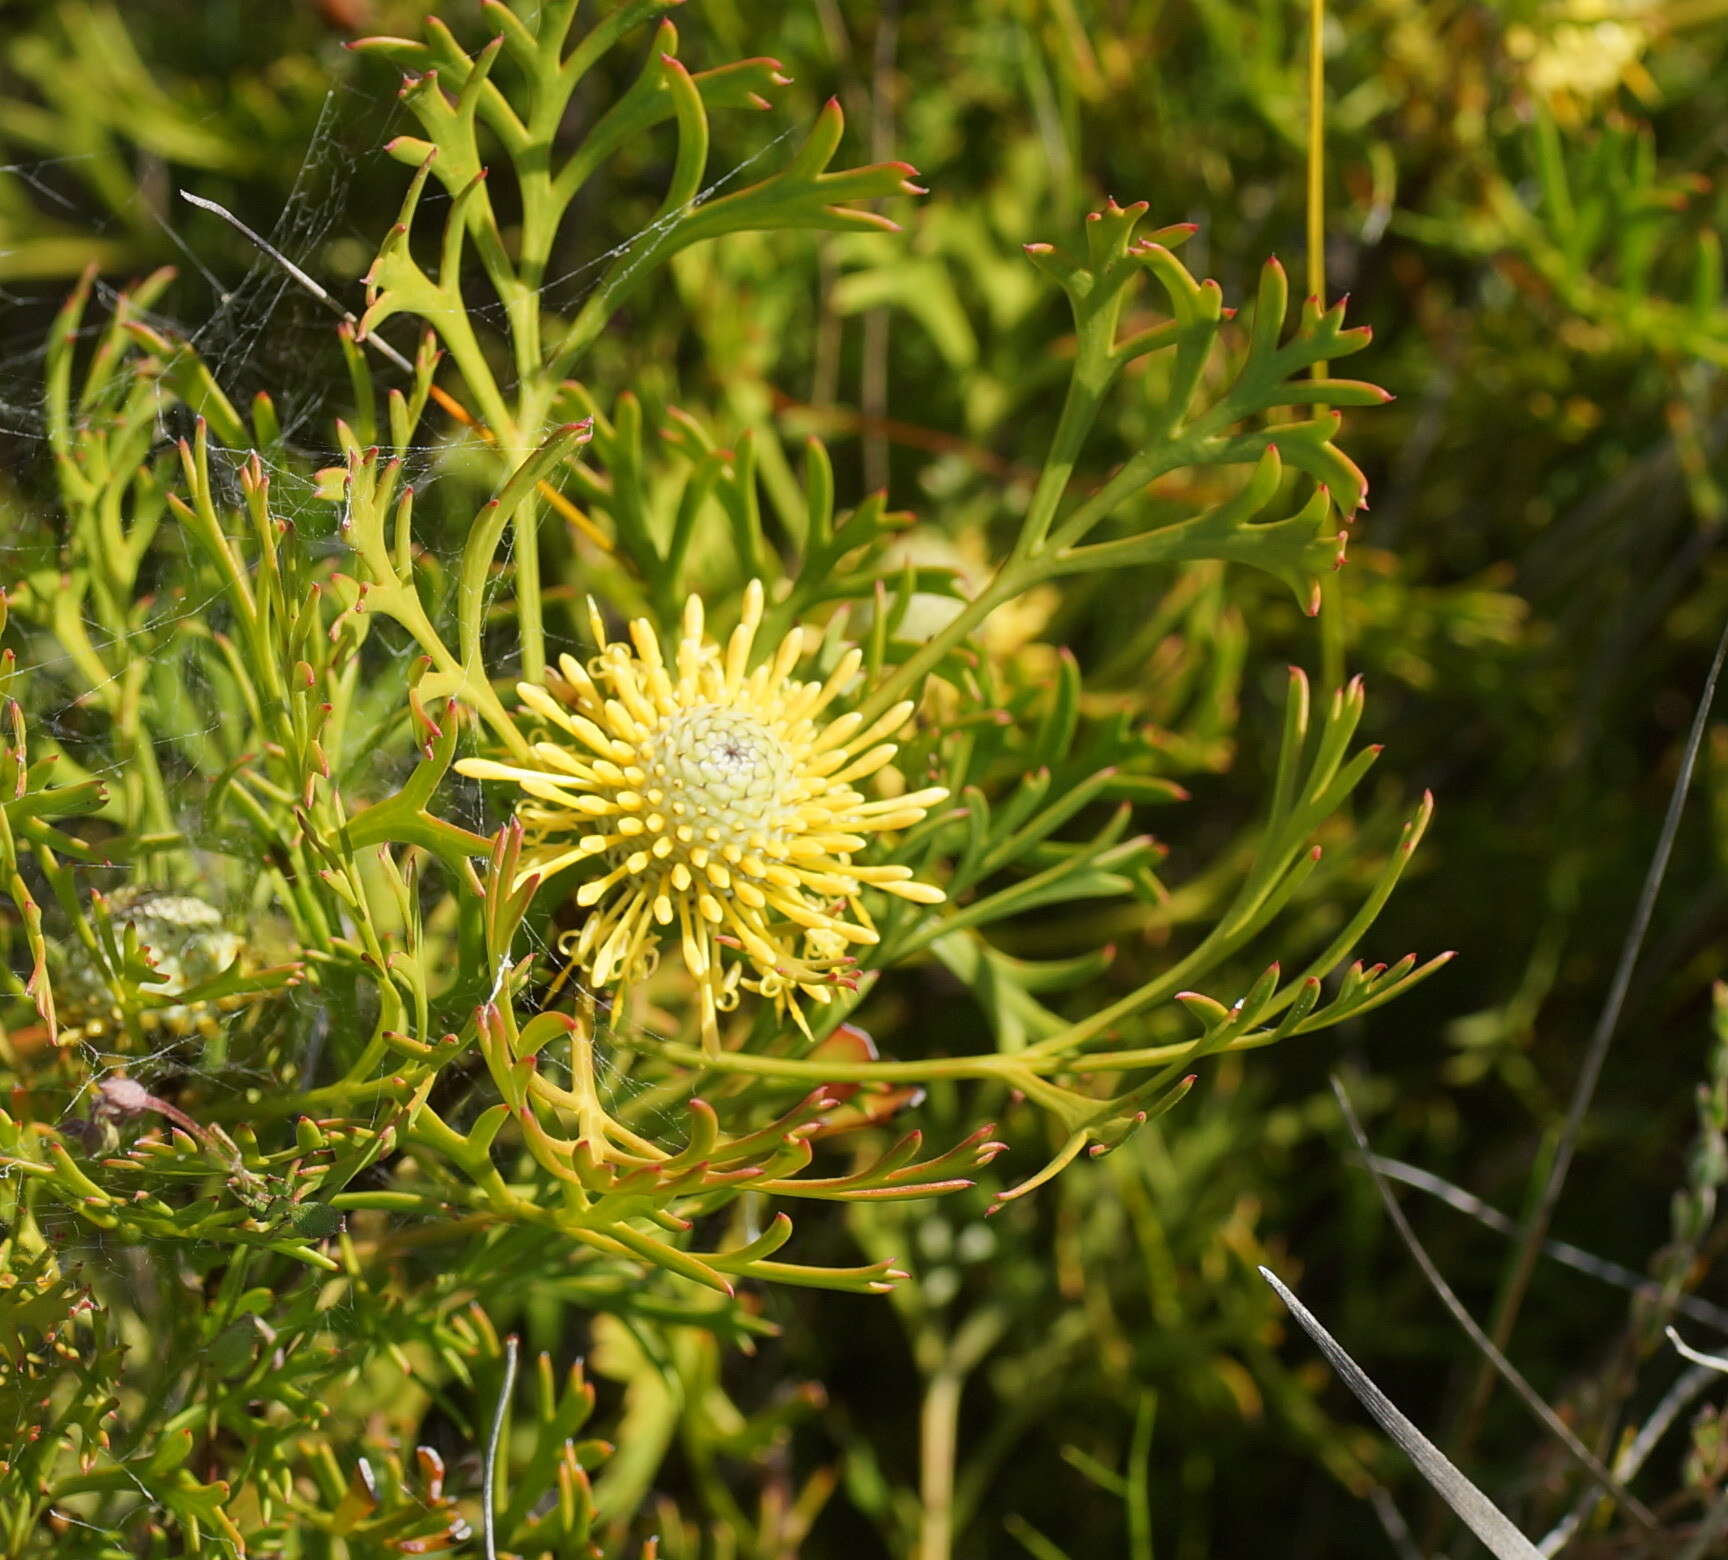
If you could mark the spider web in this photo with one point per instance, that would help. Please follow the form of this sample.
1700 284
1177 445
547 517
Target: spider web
260 332
238 319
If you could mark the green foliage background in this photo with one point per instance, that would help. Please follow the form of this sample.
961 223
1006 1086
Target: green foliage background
1523 201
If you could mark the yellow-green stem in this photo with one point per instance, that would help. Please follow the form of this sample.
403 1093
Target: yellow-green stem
1317 162
1331 589
939 1426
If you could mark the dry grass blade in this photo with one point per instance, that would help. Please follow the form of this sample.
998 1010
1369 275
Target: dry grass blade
1508 1372
1635 1453
1392 1523
1480 1514
309 283
1602 1037
1715 1362
1576 1257
489 1485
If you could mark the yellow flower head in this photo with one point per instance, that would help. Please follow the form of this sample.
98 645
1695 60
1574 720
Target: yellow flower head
710 798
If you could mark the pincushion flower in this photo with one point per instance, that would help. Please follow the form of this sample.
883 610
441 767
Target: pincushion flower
709 802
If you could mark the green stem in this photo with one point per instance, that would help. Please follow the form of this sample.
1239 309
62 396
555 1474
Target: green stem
1093 372
1316 182
530 619
1332 646
1015 1068
1012 579
939 1427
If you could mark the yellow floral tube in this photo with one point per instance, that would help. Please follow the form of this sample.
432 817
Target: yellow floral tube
710 797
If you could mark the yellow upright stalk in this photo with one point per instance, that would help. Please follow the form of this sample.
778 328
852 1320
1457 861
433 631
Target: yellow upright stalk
1317 157
1332 589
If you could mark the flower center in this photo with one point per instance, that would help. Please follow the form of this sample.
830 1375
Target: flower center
723 772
